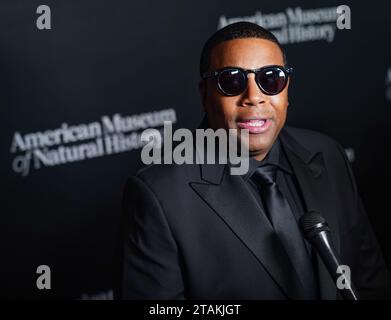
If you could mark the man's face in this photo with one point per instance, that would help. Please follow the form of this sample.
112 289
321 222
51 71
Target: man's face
246 109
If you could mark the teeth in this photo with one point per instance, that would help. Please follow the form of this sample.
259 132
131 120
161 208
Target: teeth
256 123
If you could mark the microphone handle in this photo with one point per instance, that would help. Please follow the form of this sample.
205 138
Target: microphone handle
326 251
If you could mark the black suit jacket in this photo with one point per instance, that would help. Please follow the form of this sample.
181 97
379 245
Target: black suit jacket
196 232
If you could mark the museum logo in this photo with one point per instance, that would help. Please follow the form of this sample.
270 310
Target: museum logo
71 143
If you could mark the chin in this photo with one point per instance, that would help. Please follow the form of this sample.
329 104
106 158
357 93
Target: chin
263 143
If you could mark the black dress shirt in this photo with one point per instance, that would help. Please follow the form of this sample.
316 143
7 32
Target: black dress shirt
285 178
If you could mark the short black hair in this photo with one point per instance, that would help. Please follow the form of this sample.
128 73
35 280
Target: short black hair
238 30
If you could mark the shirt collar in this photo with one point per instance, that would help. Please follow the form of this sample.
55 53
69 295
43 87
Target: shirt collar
275 156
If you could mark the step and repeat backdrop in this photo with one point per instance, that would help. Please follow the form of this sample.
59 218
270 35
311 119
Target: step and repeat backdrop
80 81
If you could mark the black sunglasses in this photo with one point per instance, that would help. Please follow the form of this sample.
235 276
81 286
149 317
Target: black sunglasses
232 81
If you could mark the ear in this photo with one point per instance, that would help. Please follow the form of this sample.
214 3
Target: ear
202 87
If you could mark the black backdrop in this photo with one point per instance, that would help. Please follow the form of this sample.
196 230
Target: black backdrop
103 58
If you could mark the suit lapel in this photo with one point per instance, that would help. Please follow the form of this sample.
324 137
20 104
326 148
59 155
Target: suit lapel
318 195
230 198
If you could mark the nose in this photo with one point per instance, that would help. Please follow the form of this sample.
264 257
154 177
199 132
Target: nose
253 96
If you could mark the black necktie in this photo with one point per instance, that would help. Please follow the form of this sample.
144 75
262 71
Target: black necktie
286 227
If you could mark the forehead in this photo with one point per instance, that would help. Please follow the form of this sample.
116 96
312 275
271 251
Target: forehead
247 53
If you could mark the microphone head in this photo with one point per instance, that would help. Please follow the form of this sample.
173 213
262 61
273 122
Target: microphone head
312 223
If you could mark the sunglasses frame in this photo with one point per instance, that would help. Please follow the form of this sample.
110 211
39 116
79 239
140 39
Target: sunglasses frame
216 74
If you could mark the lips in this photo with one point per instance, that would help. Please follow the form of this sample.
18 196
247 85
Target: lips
259 125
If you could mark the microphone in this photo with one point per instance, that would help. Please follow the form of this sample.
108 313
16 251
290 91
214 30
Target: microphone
317 232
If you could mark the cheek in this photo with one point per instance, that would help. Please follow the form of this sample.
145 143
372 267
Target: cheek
224 108
280 105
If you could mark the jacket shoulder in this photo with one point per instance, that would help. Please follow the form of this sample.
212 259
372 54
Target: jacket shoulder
167 175
312 140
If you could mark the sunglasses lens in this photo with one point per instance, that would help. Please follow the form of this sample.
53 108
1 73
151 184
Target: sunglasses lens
232 82
272 80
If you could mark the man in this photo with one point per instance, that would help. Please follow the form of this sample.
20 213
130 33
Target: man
199 232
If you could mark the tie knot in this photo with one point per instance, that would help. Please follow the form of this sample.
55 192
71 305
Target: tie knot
265 175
